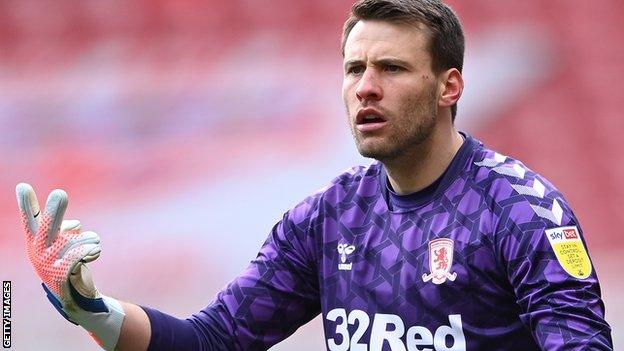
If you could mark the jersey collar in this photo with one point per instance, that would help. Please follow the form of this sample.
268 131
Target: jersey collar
401 203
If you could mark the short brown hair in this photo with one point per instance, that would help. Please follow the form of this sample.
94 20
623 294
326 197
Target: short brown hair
446 37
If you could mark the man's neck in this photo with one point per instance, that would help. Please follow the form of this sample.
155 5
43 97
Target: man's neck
421 166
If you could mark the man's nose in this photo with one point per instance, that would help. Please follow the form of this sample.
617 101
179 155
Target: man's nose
368 87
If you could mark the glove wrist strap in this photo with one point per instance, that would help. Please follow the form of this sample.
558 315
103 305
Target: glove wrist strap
101 317
104 327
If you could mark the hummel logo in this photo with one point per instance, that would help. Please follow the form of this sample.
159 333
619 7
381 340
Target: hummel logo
344 250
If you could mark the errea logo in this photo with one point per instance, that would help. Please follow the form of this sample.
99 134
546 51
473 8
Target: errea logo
344 250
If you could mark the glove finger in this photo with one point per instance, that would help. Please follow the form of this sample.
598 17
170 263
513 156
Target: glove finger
93 252
79 275
92 255
54 211
83 250
71 225
82 281
29 207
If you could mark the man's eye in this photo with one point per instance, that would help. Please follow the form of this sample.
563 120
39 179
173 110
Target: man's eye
394 68
355 70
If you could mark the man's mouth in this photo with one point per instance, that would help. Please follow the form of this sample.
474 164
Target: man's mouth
369 115
369 120
372 119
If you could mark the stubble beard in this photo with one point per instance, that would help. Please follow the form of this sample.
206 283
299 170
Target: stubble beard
407 134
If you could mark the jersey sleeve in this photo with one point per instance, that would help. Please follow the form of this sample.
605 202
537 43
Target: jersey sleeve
547 264
276 294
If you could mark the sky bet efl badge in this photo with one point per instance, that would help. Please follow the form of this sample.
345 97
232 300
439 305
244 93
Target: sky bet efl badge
570 251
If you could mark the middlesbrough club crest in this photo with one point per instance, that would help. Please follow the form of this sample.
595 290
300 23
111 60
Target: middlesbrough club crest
440 261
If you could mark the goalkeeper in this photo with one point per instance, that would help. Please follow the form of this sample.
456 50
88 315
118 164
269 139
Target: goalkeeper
440 244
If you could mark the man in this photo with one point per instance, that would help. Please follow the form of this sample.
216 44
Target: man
442 244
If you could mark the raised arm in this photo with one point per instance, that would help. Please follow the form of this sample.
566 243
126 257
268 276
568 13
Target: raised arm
277 293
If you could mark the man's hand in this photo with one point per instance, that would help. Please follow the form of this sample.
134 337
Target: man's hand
58 251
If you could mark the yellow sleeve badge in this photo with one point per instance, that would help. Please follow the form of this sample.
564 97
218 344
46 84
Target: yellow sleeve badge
570 251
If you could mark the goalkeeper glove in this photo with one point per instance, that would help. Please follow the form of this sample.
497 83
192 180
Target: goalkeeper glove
58 251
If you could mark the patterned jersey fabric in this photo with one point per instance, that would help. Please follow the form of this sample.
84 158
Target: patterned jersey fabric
489 257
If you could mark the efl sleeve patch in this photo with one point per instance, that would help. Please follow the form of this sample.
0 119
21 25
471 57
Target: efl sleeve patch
570 251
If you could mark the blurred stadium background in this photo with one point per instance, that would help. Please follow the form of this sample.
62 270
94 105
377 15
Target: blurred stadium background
182 130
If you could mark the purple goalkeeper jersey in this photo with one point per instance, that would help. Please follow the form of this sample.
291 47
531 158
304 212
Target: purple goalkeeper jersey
488 257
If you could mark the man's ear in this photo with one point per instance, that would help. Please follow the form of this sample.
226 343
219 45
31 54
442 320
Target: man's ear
452 84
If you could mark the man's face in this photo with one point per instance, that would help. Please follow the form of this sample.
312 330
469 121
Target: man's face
389 89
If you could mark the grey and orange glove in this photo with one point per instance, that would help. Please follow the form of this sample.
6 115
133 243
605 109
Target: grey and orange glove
58 251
